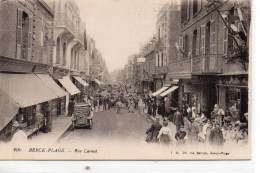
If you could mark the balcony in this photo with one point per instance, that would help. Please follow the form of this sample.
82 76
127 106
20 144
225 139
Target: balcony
180 69
160 70
205 65
62 20
198 65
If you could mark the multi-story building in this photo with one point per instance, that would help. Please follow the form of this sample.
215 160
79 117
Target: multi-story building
26 47
148 66
213 57
168 29
69 52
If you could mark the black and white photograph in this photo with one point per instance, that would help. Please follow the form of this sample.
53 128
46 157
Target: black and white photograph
125 80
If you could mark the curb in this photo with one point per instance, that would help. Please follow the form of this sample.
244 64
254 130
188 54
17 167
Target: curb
63 134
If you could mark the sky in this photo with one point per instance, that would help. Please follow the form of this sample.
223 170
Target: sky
119 27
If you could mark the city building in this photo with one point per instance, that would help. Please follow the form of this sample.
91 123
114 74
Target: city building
212 66
28 93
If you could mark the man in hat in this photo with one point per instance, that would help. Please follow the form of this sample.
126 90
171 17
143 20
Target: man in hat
153 131
217 114
180 136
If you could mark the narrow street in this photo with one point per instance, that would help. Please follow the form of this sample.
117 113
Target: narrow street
109 126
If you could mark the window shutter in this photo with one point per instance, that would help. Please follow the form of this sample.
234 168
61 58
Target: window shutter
30 38
156 60
181 47
202 33
19 33
198 42
199 5
212 37
164 61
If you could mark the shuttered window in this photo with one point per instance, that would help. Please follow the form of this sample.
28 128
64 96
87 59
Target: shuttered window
19 33
225 40
213 38
181 47
198 42
202 33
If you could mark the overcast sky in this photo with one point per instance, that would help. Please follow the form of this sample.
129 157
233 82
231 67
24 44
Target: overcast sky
119 27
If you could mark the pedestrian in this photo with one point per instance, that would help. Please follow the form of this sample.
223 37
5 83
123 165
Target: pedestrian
187 128
180 136
71 107
131 106
101 100
195 130
178 119
154 106
208 130
153 131
165 135
118 106
216 137
218 115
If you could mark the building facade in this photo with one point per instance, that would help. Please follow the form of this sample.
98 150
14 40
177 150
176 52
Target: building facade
212 62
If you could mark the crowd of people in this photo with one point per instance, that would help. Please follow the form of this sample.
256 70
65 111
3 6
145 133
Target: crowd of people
192 126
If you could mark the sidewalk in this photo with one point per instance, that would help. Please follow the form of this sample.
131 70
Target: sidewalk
59 127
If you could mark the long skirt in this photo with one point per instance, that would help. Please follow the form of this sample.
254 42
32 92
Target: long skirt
165 139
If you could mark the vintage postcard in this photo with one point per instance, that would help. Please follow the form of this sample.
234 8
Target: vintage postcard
125 80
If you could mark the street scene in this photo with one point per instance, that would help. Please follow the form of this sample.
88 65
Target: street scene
158 75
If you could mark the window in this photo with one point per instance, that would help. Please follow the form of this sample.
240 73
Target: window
71 58
184 10
202 39
24 35
194 42
207 39
58 51
213 38
195 6
162 59
64 54
198 42
186 46
225 40
181 47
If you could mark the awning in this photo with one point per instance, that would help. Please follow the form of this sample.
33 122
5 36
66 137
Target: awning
52 84
168 91
160 91
25 89
69 86
81 81
8 108
98 82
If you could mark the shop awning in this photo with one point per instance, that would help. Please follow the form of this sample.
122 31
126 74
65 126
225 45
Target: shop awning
98 82
69 86
160 91
81 81
168 91
8 108
25 89
52 84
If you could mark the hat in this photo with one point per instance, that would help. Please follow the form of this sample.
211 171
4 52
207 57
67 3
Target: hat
181 126
216 106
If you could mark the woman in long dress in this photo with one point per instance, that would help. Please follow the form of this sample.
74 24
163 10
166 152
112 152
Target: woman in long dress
165 136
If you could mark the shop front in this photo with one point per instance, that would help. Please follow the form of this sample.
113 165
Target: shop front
82 86
232 92
26 101
72 90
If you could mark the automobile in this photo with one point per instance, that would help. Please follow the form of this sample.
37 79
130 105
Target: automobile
83 115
